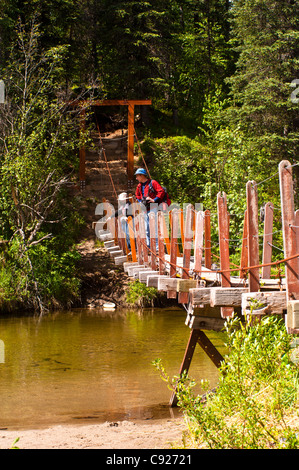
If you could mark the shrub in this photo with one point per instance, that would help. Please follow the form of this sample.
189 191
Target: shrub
141 295
256 403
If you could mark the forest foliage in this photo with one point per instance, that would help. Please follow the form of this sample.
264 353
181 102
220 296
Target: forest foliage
222 78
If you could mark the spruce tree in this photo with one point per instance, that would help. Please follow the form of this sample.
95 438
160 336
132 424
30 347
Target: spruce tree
266 36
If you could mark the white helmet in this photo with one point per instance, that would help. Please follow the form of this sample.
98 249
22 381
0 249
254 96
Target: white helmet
122 197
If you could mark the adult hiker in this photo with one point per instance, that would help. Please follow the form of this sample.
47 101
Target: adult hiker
123 212
150 193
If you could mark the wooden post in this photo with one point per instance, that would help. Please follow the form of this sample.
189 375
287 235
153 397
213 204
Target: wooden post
82 154
188 238
182 225
289 229
142 226
197 337
253 239
223 227
132 239
161 243
152 224
166 235
297 229
244 249
138 239
173 249
198 248
267 240
186 361
130 163
208 252
122 241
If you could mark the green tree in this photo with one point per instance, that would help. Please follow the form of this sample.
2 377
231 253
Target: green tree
265 34
36 160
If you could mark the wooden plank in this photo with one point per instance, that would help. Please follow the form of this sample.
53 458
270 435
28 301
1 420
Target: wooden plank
118 260
183 296
267 240
87 103
206 310
109 244
200 295
261 303
115 253
152 280
136 271
198 244
143 275
184 285
292 318
244 249
253 240
166 283
227 296
206 323
128 264
130 269
208 248
223 227
288 229
171 294
113 247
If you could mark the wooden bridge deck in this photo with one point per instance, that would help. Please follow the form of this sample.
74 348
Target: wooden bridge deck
182 267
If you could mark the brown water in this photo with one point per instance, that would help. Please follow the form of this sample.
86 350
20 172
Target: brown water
93 366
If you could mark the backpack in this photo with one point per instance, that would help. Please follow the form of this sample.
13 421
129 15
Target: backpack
166 198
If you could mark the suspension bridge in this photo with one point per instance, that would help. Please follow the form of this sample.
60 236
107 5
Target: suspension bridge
180 264
180 257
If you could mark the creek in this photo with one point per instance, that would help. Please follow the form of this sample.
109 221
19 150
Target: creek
91 365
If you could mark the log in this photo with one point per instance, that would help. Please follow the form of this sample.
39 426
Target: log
269 303
152 281
120 259
109 244
130 269
137 270
143 275
227 296
206 323
115 253
167 284
112 247
129 264
292 318
184 285
199 296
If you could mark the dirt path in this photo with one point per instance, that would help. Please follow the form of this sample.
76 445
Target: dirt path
160 434
102 281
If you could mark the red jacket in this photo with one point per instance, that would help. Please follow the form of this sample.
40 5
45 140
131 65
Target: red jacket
158 193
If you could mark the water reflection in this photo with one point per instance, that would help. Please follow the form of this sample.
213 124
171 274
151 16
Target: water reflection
93 365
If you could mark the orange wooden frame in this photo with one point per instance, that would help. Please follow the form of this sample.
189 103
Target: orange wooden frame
131 111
